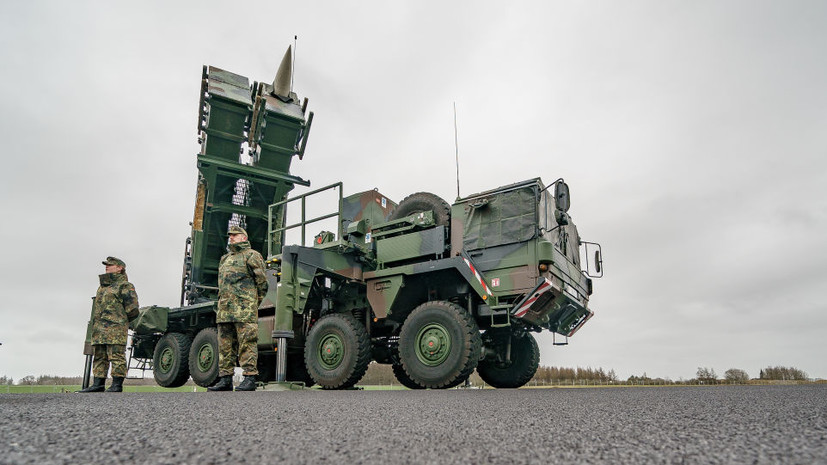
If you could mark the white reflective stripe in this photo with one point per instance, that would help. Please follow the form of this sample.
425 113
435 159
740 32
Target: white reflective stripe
545 287
477 275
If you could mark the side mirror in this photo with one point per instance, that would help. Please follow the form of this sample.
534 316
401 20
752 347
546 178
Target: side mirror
561 196
594 268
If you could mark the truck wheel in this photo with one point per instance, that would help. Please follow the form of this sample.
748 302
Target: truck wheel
423 202
337 351
203 358
525 359
170 361
439 345
403 378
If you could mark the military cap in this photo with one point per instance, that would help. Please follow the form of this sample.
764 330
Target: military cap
114 261
236 230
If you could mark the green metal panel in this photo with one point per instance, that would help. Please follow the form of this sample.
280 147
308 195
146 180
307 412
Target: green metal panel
382 293
428 242
368 205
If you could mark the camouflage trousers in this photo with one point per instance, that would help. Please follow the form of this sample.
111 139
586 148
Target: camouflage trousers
237 339
106 353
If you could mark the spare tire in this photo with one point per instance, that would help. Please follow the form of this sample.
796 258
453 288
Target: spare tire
423 202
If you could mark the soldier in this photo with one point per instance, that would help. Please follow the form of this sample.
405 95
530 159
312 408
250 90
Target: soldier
115 304
241 288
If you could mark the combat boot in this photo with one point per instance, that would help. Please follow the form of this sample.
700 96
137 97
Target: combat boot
117 384
249 384
225 383
97 386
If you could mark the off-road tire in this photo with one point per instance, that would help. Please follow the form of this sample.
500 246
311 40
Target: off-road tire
170 361
203 357
455 338
403 378
525 359
337 351
423 202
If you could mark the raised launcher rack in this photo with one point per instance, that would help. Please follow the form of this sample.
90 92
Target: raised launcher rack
248 135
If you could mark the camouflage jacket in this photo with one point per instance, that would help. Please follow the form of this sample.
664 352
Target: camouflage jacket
115 304
241 284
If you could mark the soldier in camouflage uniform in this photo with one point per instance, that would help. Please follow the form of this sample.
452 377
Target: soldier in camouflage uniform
241 288
115 304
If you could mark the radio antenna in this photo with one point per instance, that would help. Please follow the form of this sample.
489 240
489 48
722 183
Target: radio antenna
292 75
456 145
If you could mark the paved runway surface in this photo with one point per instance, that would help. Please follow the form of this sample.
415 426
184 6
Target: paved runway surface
723 424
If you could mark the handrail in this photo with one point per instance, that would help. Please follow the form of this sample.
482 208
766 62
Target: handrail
274 233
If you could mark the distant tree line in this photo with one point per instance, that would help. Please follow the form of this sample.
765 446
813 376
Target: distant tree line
783 374
31 380
736 375
552 375
379 375
706 375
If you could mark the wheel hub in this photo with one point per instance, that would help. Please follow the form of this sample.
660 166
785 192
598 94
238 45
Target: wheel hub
206 355
331 351
433 344
166 360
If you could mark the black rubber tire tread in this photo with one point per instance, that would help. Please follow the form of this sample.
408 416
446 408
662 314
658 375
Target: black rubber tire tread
403 378
209 336
466 345
356 351
423 202
179 373
525 359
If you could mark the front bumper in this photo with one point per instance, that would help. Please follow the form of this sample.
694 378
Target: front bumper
548 306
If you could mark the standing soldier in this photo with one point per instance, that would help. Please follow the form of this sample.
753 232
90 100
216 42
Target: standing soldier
115 304
241 288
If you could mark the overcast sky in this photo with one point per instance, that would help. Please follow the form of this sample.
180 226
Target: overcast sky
691 133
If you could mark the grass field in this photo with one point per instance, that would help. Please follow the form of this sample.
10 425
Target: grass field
75 387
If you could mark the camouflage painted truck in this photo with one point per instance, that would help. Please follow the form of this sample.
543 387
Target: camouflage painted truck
435 290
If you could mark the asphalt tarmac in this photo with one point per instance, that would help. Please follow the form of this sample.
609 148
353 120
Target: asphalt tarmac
716 424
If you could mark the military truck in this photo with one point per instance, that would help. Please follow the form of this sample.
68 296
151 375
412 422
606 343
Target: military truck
435 290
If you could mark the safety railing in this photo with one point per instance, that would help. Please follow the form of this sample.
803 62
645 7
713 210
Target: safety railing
276 216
